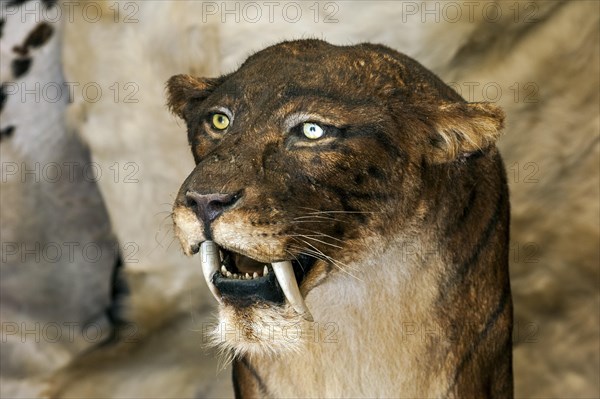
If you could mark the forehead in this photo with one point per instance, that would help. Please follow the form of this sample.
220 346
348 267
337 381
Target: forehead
360 74
319 69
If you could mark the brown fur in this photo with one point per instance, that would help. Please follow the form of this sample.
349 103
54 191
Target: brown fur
405 162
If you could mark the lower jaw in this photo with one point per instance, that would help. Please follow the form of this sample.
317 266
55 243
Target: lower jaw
260 330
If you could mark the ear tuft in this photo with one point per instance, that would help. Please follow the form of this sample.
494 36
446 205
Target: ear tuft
182 88
461 129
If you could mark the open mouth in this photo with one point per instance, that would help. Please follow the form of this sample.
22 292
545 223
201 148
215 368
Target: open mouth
241 281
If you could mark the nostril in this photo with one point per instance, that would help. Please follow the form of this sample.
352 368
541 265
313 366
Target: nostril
218 205
191 202
230 200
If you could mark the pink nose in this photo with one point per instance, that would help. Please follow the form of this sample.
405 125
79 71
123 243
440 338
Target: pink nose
209 206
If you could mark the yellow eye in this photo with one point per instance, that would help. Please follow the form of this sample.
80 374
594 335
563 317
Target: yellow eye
220 121
312 130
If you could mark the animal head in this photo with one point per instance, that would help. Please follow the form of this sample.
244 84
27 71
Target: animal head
305 156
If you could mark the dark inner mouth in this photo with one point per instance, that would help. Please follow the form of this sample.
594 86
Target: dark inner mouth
243 281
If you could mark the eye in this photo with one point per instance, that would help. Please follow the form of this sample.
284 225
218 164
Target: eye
220 121
312 130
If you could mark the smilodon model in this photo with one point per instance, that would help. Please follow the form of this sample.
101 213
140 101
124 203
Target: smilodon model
351 216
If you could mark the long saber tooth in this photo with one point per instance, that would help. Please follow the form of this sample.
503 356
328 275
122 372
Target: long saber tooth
287 281
209 257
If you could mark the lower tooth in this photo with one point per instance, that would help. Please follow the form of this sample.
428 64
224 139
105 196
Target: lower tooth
255 275
228 274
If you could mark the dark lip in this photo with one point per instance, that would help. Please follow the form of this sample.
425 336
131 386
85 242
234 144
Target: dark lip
244 293
266 289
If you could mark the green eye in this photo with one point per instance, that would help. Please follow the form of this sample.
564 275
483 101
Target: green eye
312 130
220 121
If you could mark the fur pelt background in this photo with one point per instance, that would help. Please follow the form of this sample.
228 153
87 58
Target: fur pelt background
539 60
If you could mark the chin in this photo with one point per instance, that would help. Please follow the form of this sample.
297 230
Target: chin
259 330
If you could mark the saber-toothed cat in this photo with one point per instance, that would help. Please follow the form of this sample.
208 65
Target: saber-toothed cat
352 217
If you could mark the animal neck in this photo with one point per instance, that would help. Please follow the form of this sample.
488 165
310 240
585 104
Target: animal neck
377 315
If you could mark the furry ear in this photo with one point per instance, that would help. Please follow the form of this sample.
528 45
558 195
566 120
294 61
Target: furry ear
183 88
461 129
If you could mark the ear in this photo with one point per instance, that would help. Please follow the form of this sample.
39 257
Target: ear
461 129
181 89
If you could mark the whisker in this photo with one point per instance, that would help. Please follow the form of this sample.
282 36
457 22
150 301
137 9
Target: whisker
315 217
326 258
316 233
314 239
295 258
314 221
171 243
165 218
317 211
309 252
334 261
